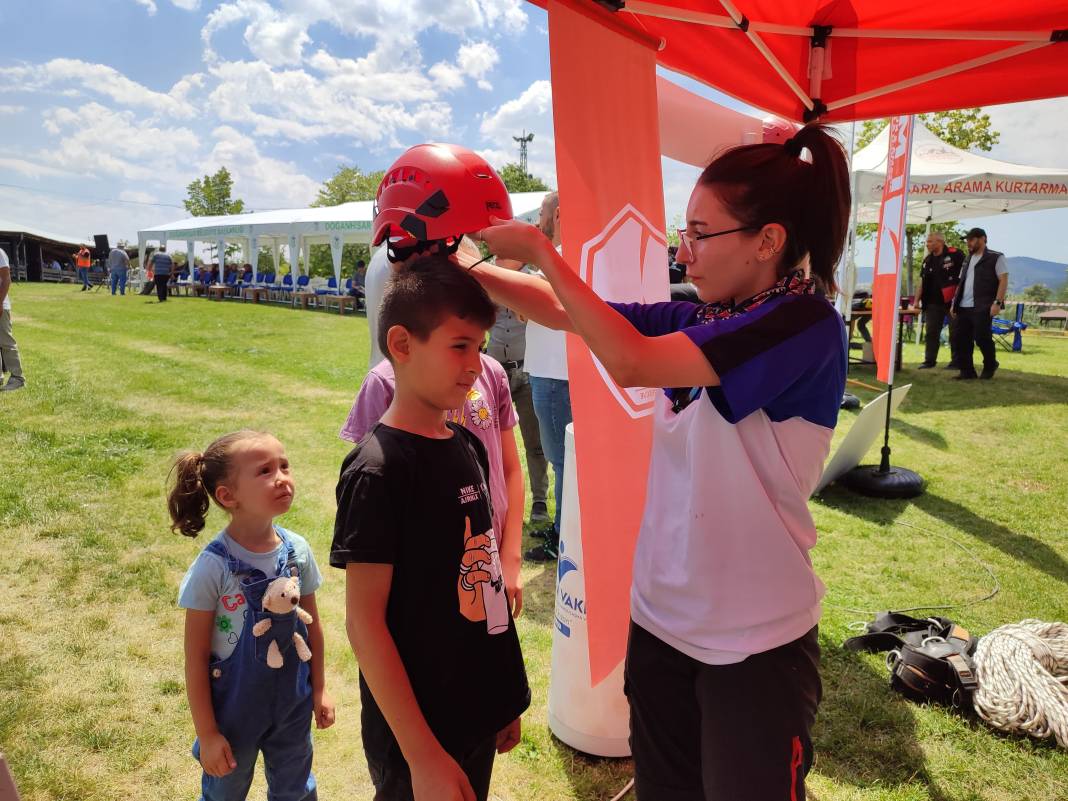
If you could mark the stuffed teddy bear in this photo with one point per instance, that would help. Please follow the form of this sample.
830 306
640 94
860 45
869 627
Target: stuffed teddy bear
281 598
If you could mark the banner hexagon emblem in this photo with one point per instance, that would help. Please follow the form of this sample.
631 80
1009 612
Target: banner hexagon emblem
627 263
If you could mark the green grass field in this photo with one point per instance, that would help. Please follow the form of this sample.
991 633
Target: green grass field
92 699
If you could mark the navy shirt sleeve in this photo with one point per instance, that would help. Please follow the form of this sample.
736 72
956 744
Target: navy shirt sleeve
658 319
786 357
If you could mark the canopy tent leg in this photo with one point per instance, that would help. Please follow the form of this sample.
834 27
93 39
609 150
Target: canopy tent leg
294 259
337 248
254 257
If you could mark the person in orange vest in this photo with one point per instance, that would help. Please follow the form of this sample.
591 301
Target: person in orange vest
83 261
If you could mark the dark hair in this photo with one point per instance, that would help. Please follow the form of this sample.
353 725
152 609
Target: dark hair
772 183
421 295
196 477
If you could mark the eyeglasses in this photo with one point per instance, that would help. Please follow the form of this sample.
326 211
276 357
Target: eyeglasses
687 239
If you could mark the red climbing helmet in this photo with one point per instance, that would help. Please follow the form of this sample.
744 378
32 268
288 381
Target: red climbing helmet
437 193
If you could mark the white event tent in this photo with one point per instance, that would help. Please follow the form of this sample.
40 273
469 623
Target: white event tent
947 183
335 226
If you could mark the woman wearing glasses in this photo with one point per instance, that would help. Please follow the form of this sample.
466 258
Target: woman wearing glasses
722 662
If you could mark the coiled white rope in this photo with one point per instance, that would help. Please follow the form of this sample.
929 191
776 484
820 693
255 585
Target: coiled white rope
1022 670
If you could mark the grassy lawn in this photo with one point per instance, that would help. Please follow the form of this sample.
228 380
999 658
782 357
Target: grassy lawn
92 700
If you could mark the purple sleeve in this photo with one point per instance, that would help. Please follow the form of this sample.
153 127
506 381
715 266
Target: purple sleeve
786 357
657 319
374 397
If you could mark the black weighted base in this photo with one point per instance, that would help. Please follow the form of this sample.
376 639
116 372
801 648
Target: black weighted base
850 401
897 482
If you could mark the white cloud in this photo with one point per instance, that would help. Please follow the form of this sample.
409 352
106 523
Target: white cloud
95 140
473 60
186 5
137 196
31 169
61 73
262 182
530 112
348 100
12 109
149 5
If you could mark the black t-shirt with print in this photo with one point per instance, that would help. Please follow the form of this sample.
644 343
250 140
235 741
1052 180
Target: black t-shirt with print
422 505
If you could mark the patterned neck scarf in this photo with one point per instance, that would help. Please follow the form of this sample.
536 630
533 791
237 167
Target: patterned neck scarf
793 284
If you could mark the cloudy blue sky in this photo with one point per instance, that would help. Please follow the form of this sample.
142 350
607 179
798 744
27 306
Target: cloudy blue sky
109 108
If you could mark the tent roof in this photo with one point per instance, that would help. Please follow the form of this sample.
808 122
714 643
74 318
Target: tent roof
948 183
883 58
11 227
317 224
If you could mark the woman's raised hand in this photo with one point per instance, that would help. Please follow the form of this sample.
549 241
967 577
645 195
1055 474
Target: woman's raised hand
513 239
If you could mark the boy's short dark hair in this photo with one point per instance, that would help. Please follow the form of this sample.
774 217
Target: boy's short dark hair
423 294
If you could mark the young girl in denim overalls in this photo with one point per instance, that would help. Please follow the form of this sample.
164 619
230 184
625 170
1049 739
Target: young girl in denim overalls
240 705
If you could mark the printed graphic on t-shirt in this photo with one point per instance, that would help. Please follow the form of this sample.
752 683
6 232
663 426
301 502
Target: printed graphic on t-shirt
476 412
481 583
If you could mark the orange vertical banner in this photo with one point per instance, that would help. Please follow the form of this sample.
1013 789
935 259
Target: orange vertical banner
886 284
612 224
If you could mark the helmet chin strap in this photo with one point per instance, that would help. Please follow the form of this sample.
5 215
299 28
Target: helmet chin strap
397 254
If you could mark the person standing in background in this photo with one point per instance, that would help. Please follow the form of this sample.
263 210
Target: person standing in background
546 364
508 344
9 350
980 297
940 275
161 264
83 261
118 265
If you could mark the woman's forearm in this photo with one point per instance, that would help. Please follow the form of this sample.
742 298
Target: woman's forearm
527 295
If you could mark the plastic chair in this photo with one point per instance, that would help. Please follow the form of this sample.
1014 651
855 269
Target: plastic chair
330 289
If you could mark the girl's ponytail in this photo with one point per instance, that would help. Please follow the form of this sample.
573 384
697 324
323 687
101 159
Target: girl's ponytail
189 500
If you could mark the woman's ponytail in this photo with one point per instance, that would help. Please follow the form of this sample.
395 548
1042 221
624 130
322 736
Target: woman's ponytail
808 194
189 500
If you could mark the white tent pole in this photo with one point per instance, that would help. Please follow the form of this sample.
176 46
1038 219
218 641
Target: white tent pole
953 69
294 259
141 252
336 248
220 247
190 257
927 233
848 267
770 57
254 257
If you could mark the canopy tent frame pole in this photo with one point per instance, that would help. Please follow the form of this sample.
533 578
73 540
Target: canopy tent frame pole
647 9
926 234
927 77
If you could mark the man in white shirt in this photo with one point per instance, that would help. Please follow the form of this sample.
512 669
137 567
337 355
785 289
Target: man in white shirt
378 272
980 297
9 350
546 364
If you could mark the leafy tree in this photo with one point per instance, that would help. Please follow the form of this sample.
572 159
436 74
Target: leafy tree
1038 293
348 184
966 128
516 180
210 196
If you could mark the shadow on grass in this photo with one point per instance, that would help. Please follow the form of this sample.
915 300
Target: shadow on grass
934 390
539 594
865 734
1034 552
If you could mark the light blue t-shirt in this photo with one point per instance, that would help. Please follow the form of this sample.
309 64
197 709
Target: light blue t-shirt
209 585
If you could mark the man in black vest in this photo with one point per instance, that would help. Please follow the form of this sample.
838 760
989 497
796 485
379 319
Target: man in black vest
980 297
940 275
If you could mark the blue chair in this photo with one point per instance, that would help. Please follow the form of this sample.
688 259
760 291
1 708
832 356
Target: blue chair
330 289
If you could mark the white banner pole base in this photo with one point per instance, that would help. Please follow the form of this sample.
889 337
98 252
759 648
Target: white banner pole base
593 720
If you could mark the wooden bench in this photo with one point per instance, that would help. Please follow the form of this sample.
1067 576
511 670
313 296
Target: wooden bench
341 301
216 292
255 292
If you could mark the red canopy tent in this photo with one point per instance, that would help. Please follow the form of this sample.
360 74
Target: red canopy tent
804 59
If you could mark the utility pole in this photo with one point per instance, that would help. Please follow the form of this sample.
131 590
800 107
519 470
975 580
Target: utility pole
523 141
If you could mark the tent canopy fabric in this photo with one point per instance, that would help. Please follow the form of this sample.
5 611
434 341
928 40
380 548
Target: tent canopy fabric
853 60
11 227
314 225
948 183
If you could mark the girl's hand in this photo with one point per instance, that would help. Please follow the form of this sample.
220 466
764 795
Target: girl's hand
324 709
437 777
512 239
508 737
216 757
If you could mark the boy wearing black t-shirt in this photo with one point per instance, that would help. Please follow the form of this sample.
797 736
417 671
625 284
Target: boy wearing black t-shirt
442 682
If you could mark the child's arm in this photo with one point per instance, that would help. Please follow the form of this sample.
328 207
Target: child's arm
321 700
435 775
215 755
511 537
631 358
